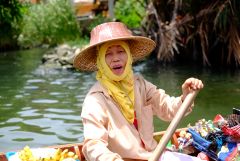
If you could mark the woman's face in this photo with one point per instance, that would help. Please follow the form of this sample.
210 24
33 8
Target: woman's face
116 59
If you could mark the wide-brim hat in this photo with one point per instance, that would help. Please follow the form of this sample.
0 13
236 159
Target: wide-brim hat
139 46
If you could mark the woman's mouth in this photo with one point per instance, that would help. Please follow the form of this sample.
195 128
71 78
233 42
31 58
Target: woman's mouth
117 69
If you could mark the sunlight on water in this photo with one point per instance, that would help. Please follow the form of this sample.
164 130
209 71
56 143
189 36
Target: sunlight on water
44 101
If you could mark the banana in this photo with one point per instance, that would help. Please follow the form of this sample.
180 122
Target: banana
60 155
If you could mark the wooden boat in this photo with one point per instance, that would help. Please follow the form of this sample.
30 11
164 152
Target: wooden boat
86 9
77 147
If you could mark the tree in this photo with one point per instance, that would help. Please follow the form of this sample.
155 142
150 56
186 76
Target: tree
10 16
208 30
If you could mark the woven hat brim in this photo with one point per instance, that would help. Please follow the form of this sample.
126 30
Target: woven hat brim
139 47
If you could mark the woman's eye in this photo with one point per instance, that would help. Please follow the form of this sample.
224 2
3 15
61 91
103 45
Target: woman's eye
121 51
107 54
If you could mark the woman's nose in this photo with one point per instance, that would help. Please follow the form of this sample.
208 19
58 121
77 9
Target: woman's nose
115 57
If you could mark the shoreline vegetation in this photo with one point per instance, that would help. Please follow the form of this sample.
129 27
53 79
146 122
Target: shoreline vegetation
203 32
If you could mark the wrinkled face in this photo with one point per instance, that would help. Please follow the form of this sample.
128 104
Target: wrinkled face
116 59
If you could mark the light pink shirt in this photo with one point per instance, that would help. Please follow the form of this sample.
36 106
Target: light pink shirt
109 136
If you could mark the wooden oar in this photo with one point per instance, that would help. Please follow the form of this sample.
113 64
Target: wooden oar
173 126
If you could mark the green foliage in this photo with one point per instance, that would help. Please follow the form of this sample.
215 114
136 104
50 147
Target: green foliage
130 12
49 23
10 16
80 42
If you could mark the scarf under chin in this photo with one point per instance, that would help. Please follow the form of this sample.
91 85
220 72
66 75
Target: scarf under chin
120 88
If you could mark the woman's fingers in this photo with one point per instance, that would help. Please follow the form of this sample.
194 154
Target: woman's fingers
189 85
193 83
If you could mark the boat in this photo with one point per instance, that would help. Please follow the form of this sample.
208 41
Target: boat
76 148
87 9
200 142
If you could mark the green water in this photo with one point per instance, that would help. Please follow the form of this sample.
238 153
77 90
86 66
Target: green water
41 106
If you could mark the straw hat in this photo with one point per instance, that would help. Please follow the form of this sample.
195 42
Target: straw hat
139 46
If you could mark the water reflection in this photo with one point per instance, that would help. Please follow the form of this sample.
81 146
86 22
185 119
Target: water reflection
44 101
41 106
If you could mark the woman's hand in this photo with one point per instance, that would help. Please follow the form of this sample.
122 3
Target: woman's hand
189 85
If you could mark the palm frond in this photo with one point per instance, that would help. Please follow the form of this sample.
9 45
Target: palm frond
234 45
203 33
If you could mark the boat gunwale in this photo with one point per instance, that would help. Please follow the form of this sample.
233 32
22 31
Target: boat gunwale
77 147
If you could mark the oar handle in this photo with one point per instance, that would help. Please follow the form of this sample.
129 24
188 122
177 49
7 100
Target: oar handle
173 125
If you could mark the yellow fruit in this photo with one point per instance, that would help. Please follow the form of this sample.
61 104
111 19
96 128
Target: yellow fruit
64 153
70 154
75 157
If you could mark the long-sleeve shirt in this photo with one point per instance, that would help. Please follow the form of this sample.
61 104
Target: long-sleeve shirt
109 136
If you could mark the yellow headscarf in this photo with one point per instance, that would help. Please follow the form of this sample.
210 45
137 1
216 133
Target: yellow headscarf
121 87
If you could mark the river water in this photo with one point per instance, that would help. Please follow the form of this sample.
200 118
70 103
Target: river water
41 106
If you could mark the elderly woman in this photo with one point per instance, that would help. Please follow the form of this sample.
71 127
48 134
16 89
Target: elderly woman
118 110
